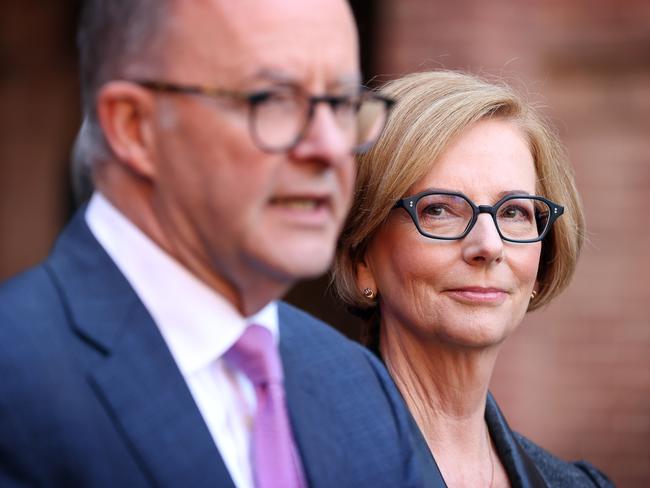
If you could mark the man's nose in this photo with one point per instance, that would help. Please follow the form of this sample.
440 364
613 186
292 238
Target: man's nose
483 244
324 140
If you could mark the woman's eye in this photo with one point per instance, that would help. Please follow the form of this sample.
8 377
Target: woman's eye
434 210
444 208
514 212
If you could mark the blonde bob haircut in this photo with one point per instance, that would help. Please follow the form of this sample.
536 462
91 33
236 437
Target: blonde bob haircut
432 109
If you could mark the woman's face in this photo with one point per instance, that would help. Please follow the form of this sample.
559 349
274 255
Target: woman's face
471 292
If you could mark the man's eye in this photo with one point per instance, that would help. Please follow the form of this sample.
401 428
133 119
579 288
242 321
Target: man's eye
281 96
347 103
264 96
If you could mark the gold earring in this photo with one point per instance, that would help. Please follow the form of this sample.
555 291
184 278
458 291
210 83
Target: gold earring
368 293
533 295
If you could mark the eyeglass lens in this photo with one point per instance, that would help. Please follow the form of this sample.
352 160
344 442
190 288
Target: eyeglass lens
281 118
448 216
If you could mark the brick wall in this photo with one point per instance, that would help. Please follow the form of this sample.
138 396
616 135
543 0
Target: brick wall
38 120
575 377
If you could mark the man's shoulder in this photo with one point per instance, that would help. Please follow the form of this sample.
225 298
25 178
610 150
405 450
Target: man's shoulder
26 296
329 359
299 322
562 473
34 324
317 337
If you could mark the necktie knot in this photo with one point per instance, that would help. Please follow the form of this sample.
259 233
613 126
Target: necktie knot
256 356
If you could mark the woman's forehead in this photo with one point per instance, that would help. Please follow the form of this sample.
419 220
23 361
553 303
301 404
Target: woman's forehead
489 158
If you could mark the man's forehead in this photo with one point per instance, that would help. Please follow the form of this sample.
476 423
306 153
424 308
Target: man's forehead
266 39
267 13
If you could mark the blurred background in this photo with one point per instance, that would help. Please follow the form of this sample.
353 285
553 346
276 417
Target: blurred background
575 377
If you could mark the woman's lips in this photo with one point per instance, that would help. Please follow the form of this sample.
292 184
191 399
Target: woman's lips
478 295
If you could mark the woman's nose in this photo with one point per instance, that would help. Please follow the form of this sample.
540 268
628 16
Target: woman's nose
483 244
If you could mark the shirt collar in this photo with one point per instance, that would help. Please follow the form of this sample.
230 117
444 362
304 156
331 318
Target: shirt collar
198 324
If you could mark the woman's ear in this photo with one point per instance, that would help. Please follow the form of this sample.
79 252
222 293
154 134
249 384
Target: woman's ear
125 113
365 277
535 291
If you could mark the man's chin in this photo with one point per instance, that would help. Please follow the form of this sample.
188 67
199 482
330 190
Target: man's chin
301 264
308 267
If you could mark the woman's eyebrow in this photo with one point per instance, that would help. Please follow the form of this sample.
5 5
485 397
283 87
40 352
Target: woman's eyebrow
502 194
440 189
513 192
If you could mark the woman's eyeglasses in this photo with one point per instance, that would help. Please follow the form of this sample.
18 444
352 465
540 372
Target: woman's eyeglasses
451 215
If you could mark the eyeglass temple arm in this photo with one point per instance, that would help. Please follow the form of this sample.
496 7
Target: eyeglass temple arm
401 203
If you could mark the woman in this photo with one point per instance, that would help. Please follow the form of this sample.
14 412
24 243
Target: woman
466 217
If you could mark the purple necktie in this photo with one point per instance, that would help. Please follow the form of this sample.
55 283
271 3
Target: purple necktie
276 463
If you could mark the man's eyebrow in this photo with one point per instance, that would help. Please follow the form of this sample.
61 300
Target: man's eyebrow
352 79
279 76
268 74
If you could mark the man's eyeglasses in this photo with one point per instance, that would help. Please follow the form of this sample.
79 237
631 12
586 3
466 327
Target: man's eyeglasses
278 118
450 215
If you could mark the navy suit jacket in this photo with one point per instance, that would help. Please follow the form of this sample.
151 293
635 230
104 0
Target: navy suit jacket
91 396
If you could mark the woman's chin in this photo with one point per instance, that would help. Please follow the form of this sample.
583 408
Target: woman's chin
474 337
475 326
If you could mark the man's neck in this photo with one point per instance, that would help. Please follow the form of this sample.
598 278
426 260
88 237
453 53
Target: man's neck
247 294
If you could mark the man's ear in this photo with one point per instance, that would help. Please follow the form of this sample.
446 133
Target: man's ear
125 113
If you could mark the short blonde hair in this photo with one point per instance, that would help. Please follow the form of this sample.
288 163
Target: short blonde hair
432 109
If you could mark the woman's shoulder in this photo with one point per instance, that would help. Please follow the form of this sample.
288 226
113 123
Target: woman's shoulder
560 473
526 460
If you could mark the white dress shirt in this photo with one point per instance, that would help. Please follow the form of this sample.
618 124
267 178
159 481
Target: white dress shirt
198 325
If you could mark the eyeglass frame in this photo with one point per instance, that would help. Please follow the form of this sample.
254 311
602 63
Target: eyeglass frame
254 98
410 205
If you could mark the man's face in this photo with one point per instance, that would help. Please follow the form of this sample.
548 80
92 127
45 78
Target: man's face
250 223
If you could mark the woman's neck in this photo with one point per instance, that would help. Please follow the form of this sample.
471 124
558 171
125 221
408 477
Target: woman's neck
445 387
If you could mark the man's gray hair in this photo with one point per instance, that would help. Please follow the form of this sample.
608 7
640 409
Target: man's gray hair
87 148
113 35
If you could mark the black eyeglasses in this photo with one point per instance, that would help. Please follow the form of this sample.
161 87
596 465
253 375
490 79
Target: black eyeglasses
450 215
279 117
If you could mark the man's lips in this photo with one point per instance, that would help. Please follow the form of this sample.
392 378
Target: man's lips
308 210
302 202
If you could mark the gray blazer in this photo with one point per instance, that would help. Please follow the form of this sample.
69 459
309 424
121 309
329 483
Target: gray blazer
528 465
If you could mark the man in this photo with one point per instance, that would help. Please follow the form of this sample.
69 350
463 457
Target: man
220 137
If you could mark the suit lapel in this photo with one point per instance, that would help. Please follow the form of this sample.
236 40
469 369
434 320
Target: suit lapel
314 438
520 468
313 429
134 375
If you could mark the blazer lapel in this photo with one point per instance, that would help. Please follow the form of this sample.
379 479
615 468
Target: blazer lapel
313 435
134 373
520 468
313 430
